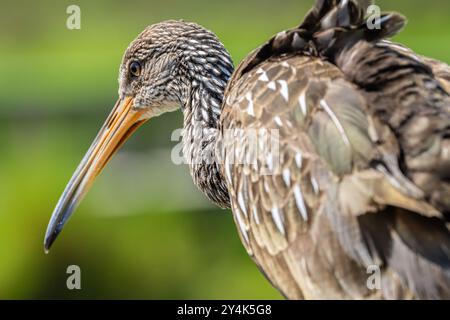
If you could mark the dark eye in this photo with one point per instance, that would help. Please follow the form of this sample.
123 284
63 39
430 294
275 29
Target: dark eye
135 69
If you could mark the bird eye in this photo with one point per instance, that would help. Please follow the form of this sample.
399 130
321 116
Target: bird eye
135 69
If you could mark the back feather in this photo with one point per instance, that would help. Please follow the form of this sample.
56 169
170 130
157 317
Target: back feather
329 28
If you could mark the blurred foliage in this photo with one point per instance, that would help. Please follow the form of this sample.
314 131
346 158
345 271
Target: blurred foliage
143 231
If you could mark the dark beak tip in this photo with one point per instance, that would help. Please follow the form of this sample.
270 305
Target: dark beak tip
47 245
49 239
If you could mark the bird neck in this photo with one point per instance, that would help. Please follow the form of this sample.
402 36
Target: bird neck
202 108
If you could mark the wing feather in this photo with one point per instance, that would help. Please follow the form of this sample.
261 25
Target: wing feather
303 208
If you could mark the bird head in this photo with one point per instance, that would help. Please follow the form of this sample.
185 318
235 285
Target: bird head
160 72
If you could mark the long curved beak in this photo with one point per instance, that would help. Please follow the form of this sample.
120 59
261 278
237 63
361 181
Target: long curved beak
120 124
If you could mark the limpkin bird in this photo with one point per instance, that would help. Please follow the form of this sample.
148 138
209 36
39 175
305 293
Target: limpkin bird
330 144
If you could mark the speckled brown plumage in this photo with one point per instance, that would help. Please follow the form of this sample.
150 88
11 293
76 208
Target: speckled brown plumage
364 164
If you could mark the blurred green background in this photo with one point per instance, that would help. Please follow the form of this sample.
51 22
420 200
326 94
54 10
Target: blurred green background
143 231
